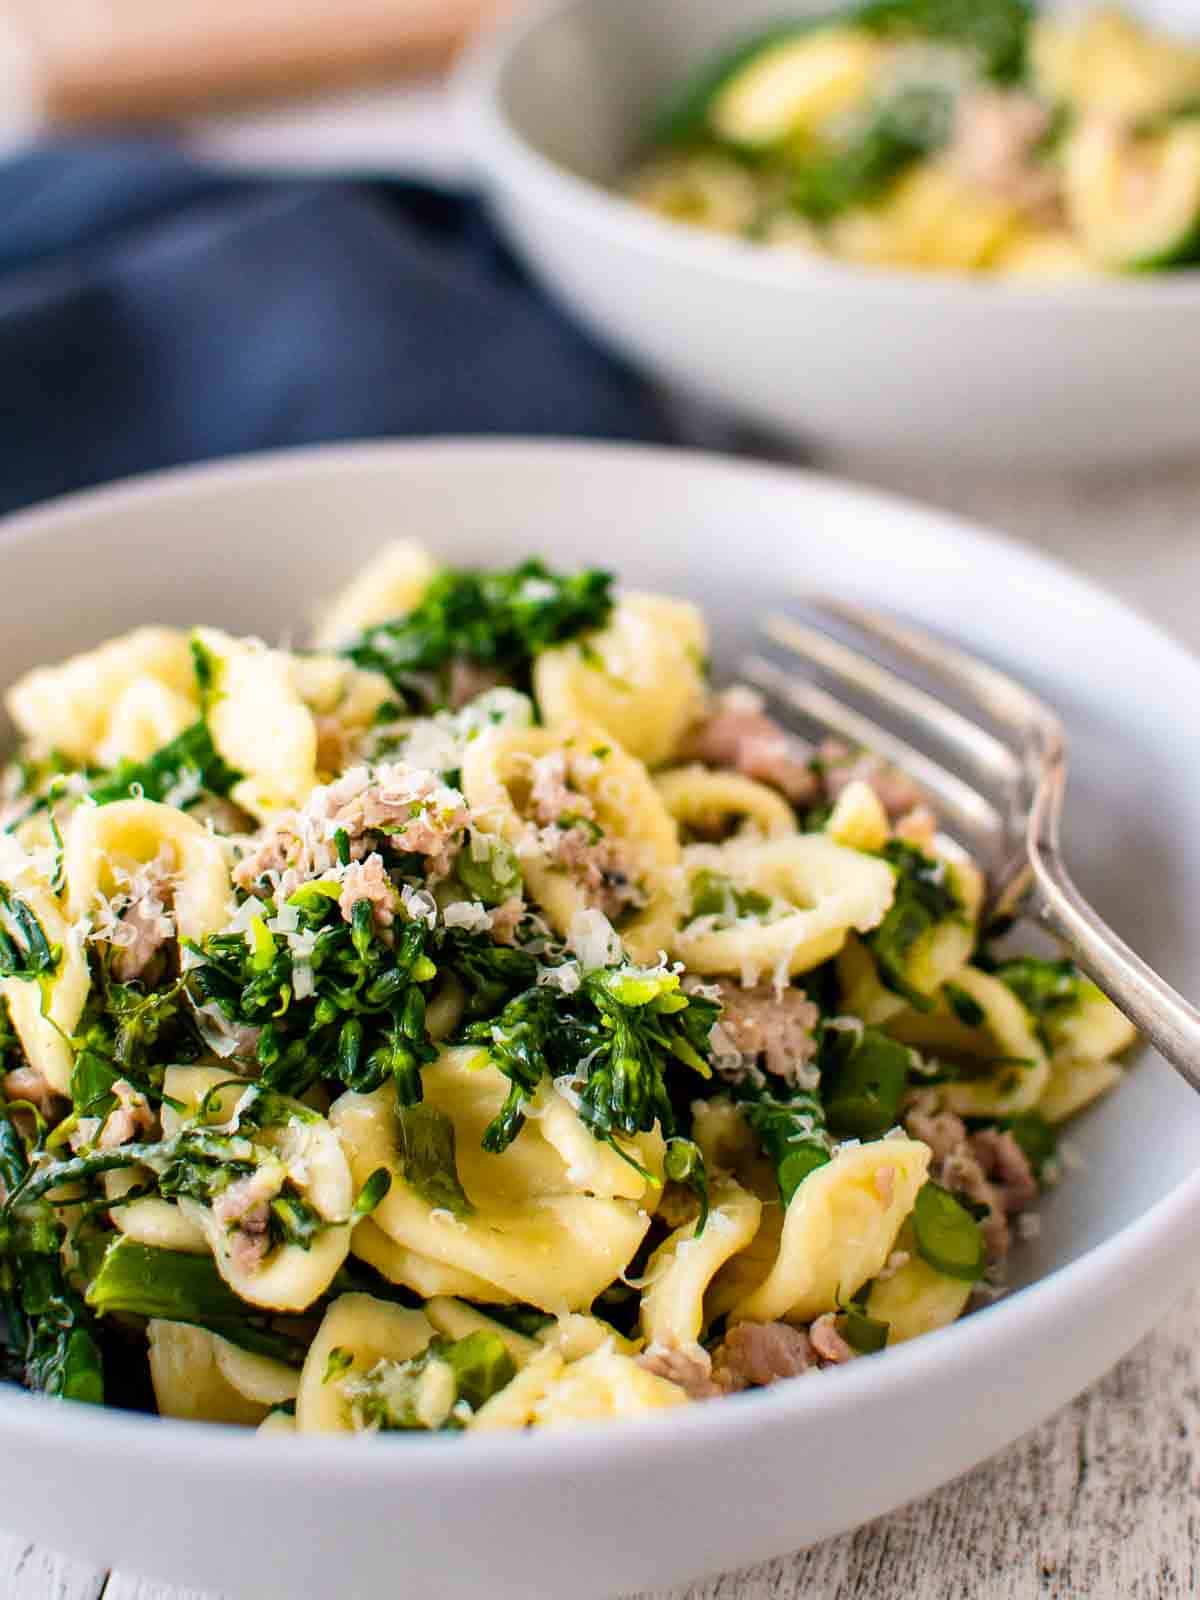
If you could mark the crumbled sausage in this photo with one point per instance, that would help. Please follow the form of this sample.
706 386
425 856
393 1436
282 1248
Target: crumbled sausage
828 1342
842 766
738 733
753 1354
761 1028
994 148
988 1168
690 1368
407 809
368 880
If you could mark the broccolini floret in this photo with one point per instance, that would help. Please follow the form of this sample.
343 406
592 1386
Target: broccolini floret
613 1040
491 619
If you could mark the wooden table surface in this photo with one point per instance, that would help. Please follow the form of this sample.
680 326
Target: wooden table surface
1102 1500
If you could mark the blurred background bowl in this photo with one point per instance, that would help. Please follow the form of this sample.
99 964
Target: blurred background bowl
883 364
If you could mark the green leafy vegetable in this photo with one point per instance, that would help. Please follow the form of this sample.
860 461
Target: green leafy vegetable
791 1130
127 1033
862 1333
1036 1137
995 31
518 1042
488 870
373 1192
48 1334
623 1031
863 1077
184 767
615 1037
907 125
684 1163
714 895
947 1236
361 1017
177 1286
427 1159
426 1391
1045 988
490 973
25 952
493 619
924 897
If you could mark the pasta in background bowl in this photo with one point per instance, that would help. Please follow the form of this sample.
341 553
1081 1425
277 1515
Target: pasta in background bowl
363 1110
902 230
987 139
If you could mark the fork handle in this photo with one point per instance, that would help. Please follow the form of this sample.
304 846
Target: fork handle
1168 1021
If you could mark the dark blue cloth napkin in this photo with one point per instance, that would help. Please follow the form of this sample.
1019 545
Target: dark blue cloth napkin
156 311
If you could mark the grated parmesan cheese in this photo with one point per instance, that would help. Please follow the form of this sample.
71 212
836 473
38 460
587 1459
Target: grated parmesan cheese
594 940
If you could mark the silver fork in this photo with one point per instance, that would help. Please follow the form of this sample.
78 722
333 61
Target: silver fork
1008 807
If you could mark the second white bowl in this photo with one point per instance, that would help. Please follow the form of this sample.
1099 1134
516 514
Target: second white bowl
881 363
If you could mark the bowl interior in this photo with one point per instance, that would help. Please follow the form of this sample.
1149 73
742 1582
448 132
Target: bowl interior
257 547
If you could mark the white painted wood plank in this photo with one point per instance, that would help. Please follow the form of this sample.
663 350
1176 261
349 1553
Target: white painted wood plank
126 1588
28 1572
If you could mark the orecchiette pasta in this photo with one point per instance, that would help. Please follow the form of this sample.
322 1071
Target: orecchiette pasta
680 1270
839 1230
818 891
391 584
1074 1082
640 678
532 1227
707 802
145 716
149 1219
301 1150
45 1010
914 1298
278 1421
188 1380
517 1403
858 819
422 1274
625 841
395 1036
71 707
1091 1027
576 1335
356 1332
1007 1066
256 689
604 1384
109 849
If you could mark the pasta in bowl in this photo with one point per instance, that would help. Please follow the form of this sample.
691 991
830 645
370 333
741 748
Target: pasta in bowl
990 138
480 1023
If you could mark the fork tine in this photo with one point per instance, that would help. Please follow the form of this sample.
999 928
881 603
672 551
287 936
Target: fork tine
1003 698
971 743
961 804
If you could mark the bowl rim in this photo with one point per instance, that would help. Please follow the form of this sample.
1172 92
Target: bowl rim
508 159
1040 1310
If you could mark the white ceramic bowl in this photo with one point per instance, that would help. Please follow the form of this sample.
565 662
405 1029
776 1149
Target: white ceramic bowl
886 364
256 545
